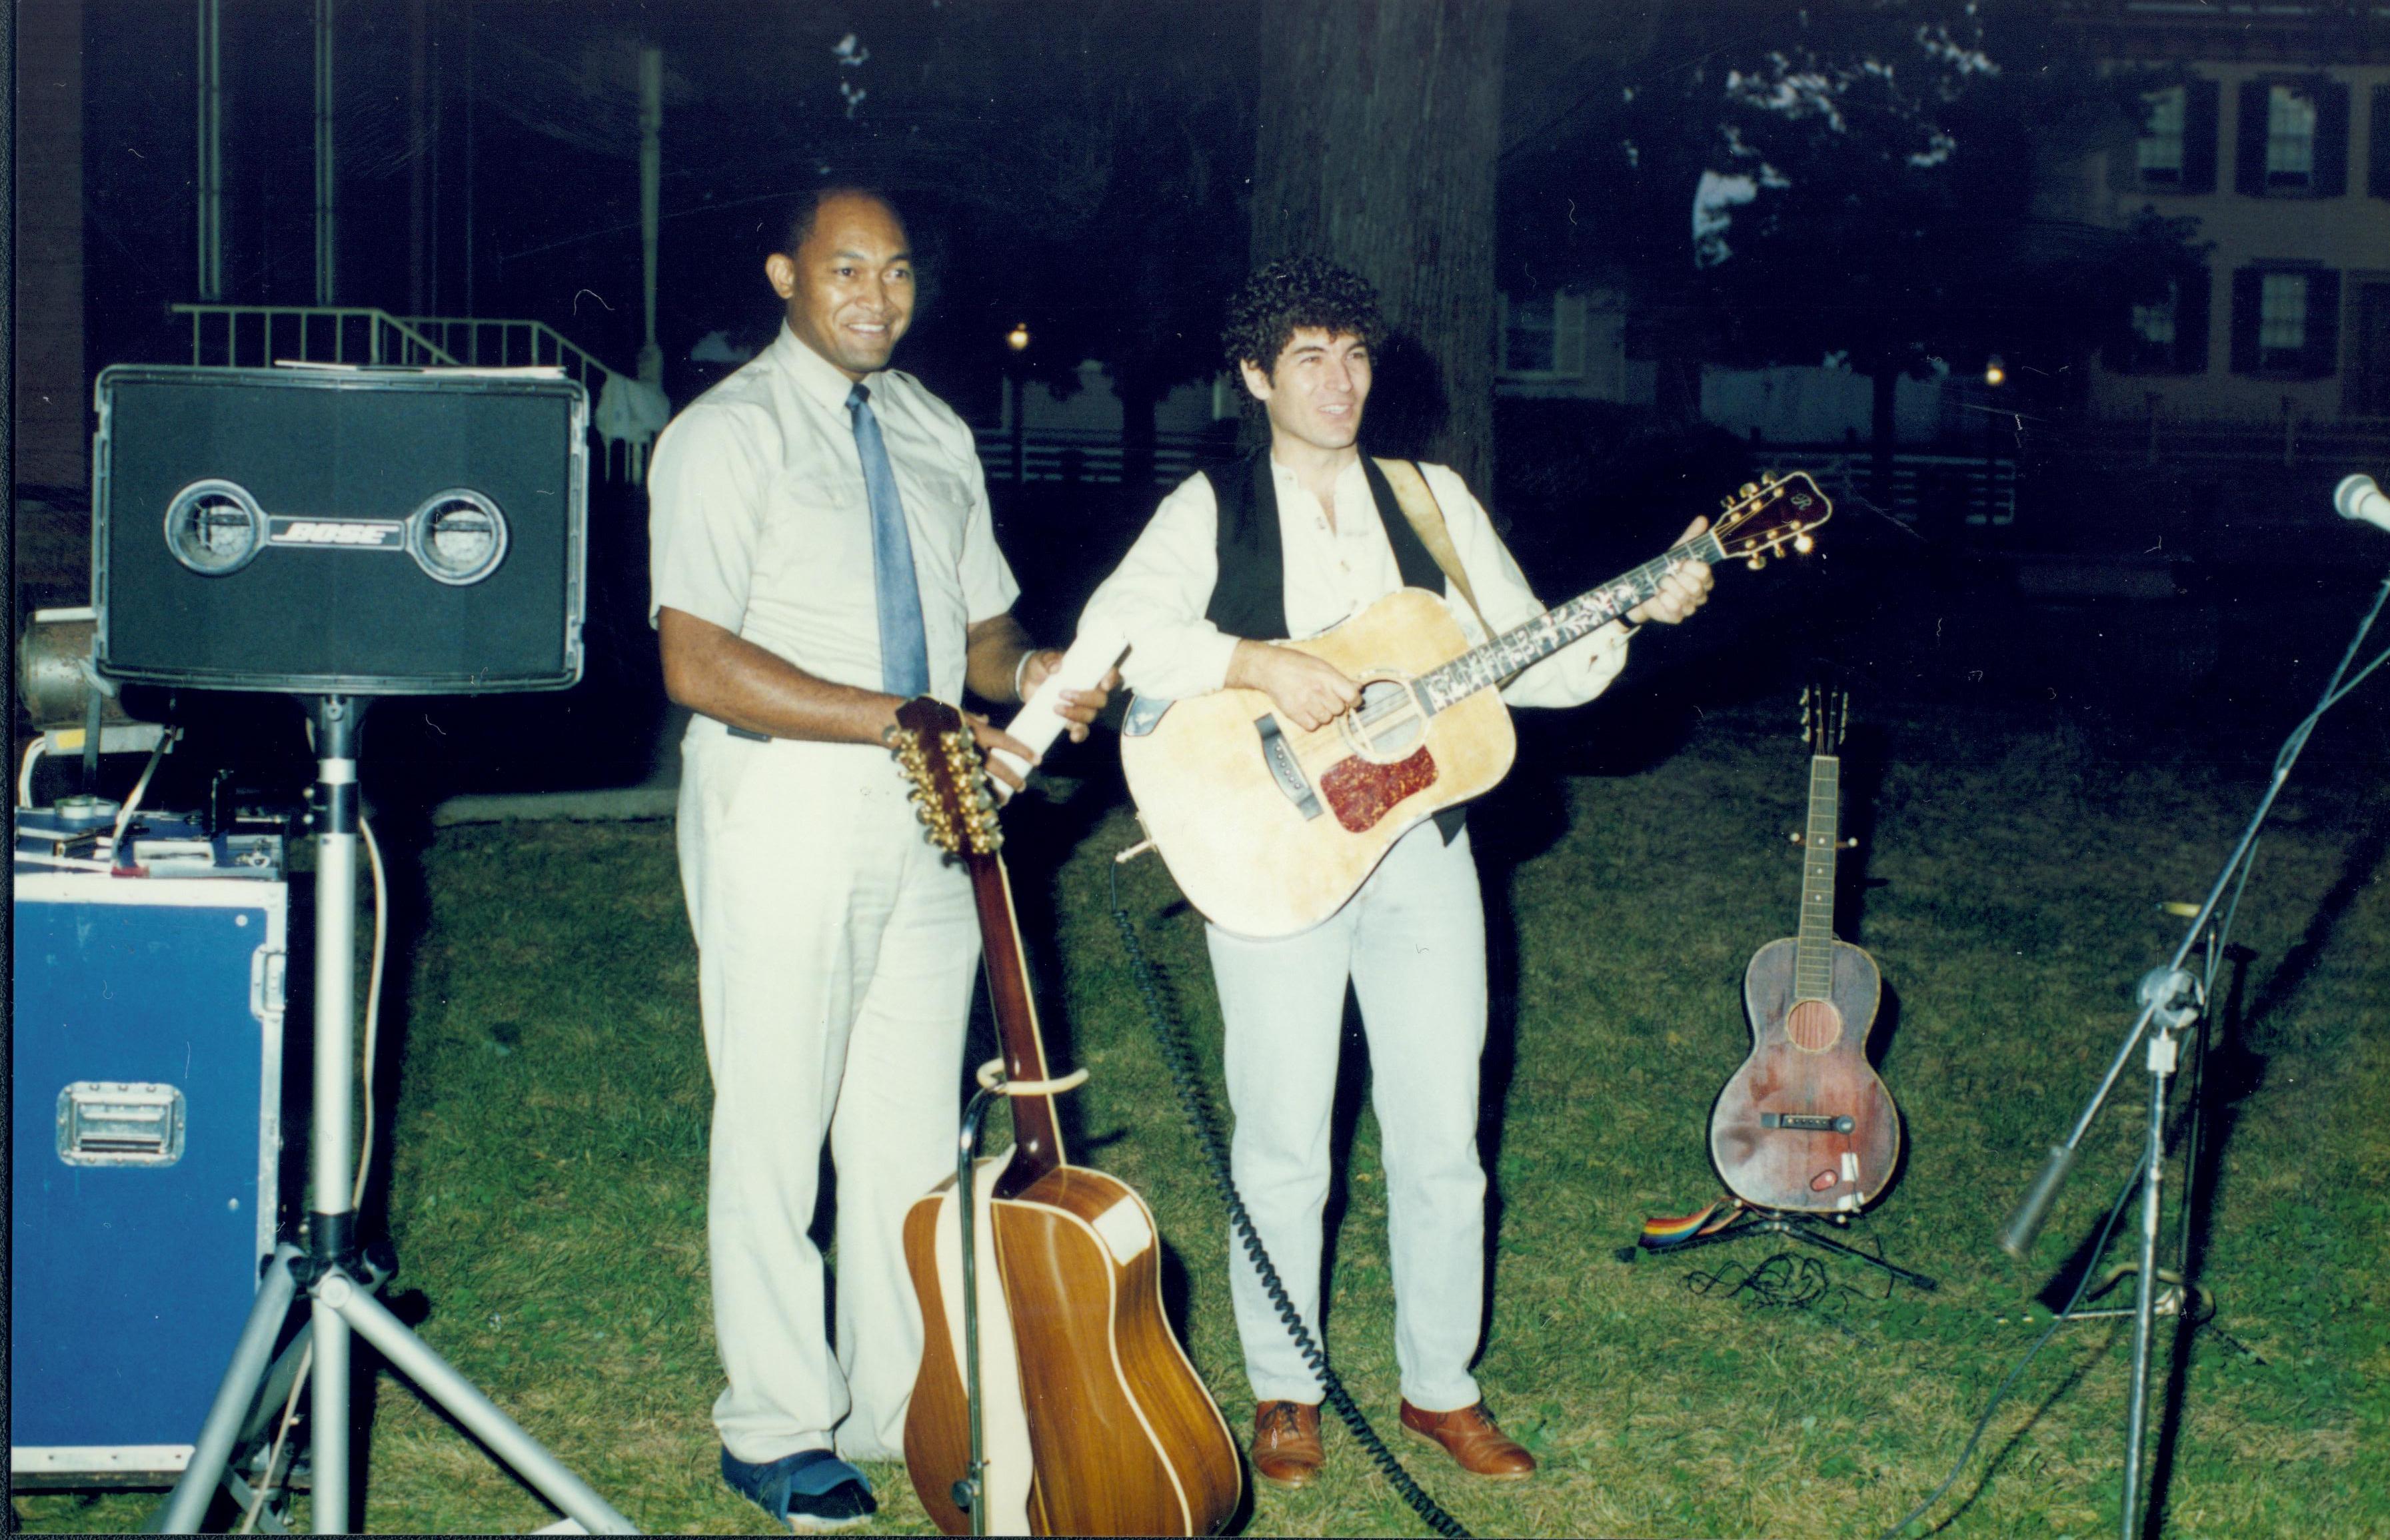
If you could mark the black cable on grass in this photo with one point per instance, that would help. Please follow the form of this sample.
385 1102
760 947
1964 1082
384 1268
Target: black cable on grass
2117 1212
1185 1078
1781 1282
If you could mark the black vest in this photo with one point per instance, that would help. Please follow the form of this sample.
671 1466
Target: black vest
1249 598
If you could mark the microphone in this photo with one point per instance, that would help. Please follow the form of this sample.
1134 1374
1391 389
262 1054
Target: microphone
2357 498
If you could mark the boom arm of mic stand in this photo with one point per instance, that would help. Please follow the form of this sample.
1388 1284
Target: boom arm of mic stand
2017 1237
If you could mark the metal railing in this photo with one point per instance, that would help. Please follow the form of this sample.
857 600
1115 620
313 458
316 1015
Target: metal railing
229 335
1072 456
2289 440
511 345
256 336
1980 488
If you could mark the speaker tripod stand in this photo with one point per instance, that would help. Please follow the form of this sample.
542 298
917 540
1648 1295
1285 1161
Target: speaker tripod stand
338 1284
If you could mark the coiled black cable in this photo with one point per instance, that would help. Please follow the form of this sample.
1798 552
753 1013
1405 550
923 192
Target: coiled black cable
1180 1058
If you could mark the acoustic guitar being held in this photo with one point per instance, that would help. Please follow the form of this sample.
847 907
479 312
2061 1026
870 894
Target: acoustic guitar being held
1806 1126
1270 829
1093 1422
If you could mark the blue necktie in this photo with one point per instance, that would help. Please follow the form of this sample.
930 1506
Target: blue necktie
904 645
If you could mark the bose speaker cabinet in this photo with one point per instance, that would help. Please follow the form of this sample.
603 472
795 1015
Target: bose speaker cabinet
340 532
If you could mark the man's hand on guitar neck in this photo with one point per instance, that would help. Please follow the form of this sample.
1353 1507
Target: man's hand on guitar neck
1681 591
1311 691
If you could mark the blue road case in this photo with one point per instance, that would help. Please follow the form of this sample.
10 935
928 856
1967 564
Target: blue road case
146 1105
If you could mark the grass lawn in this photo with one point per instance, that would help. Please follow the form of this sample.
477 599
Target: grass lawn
547 1193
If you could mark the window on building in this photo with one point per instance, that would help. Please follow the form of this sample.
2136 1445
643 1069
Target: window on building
2290 137
2162 138
2293 138
2282 320
1529 334
1544 334
2168 333
2285 321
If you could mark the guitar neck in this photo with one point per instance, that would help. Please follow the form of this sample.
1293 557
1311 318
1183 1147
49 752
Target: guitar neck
1036 1132
1813 952
1485 667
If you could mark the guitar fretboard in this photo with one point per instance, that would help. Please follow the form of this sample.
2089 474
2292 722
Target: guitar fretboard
1813 953
1485 667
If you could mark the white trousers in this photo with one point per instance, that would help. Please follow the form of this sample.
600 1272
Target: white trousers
835 963
1412 943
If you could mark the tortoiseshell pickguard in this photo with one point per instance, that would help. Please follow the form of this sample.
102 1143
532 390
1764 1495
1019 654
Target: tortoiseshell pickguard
1361 793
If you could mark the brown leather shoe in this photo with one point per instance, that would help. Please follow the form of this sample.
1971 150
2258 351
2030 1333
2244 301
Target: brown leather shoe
1286 1443
1469 1437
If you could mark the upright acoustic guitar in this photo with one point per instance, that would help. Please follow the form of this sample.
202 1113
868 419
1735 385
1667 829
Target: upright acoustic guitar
1806 1126
1269 829
1094 1420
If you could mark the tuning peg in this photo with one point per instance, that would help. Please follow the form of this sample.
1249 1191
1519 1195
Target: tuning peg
1748 489
1757 559
1803 544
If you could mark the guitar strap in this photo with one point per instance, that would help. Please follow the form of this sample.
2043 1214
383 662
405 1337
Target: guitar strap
1417 500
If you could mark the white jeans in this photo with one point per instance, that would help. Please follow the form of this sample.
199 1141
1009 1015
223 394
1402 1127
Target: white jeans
1412 943
835 966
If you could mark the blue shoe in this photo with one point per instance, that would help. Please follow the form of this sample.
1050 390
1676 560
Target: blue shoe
813 1491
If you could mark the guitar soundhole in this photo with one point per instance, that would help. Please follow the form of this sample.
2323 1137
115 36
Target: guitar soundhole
1386 726
1814 1026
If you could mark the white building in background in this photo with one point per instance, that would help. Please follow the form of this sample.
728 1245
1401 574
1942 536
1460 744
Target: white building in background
1571 345
1831 404
2276 138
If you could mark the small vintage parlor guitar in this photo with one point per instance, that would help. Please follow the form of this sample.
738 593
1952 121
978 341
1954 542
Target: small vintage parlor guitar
1804 1125
1095 1422
1269 829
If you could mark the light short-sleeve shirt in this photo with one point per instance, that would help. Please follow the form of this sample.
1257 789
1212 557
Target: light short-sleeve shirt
759 522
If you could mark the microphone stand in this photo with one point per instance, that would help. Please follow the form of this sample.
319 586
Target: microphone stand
2170 1000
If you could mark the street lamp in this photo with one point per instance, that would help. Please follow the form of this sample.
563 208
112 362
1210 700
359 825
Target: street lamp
1995 374
1017 340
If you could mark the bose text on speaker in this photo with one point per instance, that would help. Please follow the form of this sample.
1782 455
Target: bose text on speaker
340 532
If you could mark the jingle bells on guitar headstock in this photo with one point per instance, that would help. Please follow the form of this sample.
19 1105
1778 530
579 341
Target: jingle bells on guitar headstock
1765 516
935 748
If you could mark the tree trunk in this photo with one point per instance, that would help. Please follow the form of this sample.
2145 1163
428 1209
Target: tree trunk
1380 126
1138 400
1884 428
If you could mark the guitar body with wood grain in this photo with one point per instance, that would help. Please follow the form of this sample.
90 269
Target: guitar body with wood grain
1093 1422
1770 1156
1806 1126
1270 829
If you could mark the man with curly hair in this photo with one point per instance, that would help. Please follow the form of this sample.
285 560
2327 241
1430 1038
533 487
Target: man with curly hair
1287 543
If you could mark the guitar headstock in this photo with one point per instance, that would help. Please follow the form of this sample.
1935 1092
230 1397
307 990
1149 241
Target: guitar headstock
1825 715
936 751
1765 516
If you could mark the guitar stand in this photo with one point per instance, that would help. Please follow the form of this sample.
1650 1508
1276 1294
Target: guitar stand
1809 1229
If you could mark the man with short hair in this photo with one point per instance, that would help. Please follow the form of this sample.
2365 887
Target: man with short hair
1289 544
822 550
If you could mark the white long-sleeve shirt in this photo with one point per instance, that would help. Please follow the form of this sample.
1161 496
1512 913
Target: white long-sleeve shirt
1158 596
